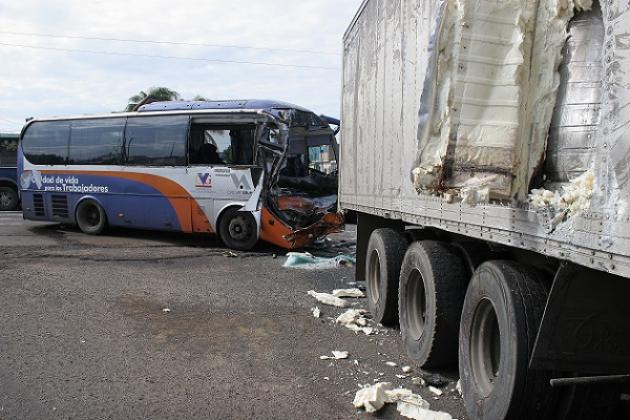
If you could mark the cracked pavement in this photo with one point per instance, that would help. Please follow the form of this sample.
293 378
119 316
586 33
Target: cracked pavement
84 334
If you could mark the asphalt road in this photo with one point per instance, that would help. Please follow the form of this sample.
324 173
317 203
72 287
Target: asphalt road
83 334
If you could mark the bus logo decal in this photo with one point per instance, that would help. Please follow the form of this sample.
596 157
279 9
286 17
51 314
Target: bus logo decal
204 180
241 182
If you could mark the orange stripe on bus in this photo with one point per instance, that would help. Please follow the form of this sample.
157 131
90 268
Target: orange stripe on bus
188 211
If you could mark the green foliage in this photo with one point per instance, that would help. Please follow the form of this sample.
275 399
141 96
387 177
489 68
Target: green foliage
160 93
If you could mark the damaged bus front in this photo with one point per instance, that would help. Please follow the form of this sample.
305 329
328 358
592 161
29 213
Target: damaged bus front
246 170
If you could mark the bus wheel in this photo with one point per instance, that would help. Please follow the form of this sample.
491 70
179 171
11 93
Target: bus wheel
432 287
8 199
91 217
502 313
384 256
237 229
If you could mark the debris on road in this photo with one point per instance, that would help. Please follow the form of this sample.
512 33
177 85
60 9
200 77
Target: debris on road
348 293
458 387
402 376
230 254
166 310
418 381
391 364
406 369
337 355
307 261
436 391
373 398
328 299
354 319
316 312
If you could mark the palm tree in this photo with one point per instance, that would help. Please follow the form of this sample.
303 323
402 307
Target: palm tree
158 93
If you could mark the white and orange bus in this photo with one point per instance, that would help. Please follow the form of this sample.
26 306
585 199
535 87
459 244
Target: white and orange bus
246 170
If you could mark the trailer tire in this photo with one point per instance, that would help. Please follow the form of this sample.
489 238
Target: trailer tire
91 217
502 312
238 229
433 282
9 199
384 256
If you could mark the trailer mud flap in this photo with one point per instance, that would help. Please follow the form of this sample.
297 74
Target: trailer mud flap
586 325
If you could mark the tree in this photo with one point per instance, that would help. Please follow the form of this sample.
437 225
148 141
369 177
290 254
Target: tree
159 93
200 98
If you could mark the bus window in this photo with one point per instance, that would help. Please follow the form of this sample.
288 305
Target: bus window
46 142
221 145
156 141
8 152
322 159
96 142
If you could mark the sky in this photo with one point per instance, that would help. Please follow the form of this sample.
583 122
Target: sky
39 77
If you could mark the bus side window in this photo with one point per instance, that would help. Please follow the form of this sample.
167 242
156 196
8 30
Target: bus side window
221 145
156 141
46 142
8 152
96 142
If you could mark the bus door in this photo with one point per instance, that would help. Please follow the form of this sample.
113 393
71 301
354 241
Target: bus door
221 170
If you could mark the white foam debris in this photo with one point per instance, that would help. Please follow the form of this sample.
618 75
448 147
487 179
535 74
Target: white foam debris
415 412
340 354
392 364
458 387
474 196
354 319
406 369
337 355
166 310
436 391
373 398
402 376
575 197
328 299
348 293
316 312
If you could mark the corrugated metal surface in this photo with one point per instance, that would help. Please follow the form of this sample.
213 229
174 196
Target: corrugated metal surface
573 134
384 70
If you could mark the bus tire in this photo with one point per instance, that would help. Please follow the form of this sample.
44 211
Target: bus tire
502 312
91 217
432 287
384 255
9 199
238 229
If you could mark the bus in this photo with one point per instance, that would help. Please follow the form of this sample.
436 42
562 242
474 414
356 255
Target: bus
239 169
9 197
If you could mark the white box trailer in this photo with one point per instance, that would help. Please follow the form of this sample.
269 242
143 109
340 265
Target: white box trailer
485 148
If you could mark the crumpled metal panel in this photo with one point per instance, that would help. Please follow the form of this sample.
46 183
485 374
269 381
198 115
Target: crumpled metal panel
573 134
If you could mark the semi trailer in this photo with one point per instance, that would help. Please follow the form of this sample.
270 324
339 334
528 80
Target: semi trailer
485 148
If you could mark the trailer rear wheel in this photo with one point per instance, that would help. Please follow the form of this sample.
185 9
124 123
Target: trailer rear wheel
433 282
500 319
385 252
91 217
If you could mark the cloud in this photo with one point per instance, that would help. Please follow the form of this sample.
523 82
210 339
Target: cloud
37 82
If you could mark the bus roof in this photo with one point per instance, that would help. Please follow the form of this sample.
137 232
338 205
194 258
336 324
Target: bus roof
246 104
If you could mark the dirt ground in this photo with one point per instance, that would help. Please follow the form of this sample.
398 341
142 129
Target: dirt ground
84 333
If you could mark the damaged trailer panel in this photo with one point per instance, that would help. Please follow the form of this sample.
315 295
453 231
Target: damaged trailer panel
490 119
202 167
